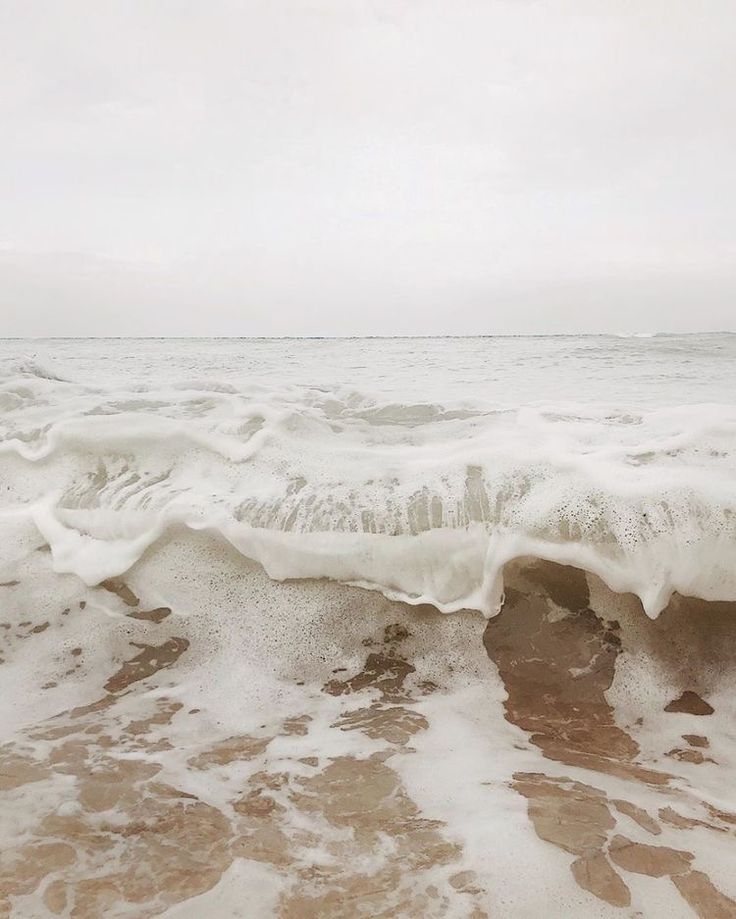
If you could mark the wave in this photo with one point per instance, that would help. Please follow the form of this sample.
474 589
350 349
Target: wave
638 334
43 369
424 502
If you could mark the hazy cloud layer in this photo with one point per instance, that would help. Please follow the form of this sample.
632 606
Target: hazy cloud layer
345 167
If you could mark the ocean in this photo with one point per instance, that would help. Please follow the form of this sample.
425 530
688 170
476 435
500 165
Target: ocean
368 627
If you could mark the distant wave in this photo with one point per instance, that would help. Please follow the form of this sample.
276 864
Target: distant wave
636 334
43 368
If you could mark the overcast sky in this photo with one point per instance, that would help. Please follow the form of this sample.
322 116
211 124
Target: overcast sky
171 167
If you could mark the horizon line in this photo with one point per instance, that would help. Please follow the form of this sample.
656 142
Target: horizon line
643 335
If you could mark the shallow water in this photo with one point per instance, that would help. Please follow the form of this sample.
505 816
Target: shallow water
318 750
201 714
635 370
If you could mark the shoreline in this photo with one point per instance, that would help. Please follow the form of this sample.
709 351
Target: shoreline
348 755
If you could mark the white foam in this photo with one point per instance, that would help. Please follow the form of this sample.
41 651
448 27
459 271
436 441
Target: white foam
225 900
426 503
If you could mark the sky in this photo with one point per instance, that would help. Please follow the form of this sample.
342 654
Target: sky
349 167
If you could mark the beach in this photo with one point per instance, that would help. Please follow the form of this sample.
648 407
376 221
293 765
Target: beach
367 459
223 697
362 756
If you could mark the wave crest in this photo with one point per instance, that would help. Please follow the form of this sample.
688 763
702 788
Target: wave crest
422 501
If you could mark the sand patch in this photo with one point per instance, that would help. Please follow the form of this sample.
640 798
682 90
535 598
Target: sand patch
557 658
150 660
690 703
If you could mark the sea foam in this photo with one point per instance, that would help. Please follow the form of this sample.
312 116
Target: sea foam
423 501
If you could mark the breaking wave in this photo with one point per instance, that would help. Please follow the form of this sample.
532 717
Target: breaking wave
423 501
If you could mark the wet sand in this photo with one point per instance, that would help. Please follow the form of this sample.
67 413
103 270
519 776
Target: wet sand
568 757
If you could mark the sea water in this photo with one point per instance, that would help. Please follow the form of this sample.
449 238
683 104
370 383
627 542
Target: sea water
368 627
370 460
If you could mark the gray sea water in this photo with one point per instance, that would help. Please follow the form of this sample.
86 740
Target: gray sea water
374 461
657 370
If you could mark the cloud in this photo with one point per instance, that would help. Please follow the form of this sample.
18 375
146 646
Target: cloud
301 167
